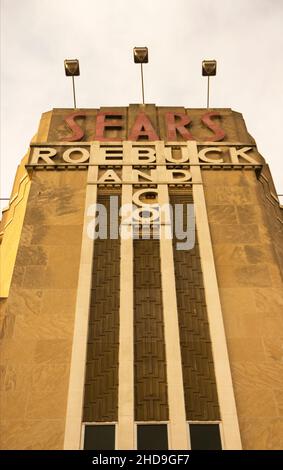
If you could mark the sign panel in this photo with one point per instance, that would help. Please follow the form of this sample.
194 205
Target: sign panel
147 123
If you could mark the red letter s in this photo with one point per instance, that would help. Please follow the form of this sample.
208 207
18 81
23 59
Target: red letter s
78 133
219 133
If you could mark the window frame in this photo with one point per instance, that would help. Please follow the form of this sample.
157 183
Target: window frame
145 423
220 426
100 423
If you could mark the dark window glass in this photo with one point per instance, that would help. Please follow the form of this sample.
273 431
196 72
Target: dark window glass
100 437
152 437
205 437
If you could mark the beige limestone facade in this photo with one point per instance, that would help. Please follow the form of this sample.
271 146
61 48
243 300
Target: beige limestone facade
176 341
246 231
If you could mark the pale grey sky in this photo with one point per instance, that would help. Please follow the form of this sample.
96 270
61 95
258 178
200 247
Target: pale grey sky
245 36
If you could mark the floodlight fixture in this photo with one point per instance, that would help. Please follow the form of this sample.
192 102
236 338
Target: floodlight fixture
208 70
141 57
72 69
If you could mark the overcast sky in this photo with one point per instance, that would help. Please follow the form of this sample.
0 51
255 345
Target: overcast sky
244 36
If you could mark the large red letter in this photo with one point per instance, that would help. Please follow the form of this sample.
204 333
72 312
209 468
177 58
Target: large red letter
173 126
102 123
142 127
78 133
219 133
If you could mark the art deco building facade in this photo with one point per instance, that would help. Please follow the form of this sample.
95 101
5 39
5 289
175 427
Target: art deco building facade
126 341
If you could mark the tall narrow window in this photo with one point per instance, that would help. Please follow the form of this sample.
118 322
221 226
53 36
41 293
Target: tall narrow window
99 437
205 437
152 437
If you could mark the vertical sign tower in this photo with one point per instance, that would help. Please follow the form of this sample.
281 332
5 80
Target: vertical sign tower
141 289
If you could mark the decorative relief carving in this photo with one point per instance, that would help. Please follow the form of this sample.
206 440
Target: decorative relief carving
201 400
101 383
151 402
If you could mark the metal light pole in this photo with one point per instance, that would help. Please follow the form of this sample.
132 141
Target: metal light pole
141 57
72 69
208 70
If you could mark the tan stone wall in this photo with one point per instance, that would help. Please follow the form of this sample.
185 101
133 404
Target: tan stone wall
11 225
251 292
37 319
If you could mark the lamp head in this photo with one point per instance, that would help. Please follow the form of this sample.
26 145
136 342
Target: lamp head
140 55
72 67
209 68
